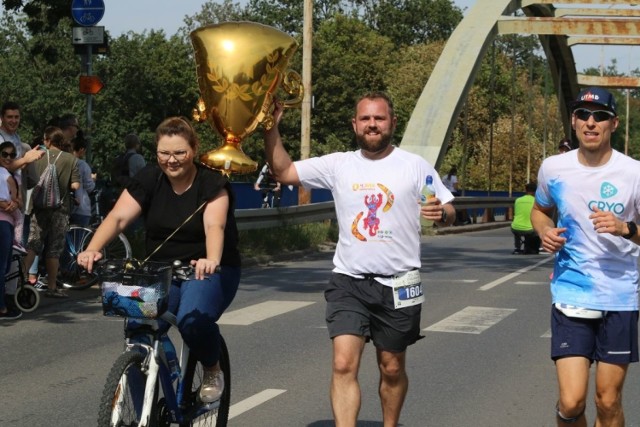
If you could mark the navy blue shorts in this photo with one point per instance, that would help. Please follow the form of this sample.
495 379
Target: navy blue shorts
364 307
611 339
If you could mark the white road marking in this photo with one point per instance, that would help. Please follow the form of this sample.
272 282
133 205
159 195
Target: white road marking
257 312
458 281
522 282
510 276
253 401
546 334
471 320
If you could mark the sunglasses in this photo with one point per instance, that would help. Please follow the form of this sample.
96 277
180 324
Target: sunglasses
598 115
10 155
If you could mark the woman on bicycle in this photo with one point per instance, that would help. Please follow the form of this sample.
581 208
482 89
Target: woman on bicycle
166 195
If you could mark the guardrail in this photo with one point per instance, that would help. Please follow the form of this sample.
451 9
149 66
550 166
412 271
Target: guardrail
251 219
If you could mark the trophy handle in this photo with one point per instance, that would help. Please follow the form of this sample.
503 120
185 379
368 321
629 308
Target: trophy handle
292 84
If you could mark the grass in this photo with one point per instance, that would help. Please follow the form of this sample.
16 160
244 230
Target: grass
267 241
273 241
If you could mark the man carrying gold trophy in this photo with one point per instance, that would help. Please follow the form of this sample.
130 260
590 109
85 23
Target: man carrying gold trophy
375 291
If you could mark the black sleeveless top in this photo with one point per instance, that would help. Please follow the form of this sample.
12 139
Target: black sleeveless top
163 211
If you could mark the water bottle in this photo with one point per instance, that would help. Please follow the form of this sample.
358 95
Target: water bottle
428 192
172 357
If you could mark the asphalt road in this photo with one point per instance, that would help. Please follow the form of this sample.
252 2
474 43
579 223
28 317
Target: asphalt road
483 362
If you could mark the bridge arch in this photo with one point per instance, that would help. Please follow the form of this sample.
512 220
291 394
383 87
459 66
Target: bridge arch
438 107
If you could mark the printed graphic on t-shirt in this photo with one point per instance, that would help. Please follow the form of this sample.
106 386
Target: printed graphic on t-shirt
377 198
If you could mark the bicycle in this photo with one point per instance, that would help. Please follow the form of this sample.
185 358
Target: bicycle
25 296
77 238
148 385
270 198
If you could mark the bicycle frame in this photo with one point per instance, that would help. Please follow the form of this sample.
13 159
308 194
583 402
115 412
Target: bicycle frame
157 369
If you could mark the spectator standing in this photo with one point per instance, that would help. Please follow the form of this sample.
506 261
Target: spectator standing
10 114
48 226
376 190
450 181
129 163
81 207
594 312
68 124
564 146
521 225
9 205
9 191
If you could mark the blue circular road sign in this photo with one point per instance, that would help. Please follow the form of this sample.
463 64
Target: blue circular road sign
87 12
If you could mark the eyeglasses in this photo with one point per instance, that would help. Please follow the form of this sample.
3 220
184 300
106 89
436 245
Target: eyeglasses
164 156
598 115
7 154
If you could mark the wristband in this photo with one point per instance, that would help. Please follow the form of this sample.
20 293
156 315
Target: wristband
633 230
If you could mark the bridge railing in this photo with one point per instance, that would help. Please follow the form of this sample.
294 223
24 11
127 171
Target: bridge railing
480 209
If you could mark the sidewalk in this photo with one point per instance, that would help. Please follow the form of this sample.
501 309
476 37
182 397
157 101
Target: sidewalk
472 227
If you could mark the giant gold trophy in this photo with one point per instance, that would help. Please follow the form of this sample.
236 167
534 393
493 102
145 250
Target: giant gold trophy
240 66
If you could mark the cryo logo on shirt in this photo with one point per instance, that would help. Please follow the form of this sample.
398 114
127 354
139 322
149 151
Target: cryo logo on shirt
607 190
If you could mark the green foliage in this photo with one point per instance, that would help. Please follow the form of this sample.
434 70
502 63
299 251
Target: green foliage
289 238
358 46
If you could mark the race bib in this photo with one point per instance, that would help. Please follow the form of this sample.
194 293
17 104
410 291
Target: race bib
407 289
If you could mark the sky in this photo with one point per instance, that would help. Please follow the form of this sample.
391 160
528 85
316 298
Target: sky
138 15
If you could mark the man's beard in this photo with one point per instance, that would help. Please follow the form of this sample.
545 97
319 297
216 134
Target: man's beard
374 147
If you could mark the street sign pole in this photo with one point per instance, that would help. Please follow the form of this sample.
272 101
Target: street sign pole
88 153
88 13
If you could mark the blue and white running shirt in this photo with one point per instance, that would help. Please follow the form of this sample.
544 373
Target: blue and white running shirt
596 271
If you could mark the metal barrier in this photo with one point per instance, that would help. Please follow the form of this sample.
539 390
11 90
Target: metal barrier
250 219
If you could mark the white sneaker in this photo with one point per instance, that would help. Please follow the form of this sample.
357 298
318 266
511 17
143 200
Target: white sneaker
212 386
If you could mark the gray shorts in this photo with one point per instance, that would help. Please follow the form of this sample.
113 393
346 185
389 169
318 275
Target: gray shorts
364 307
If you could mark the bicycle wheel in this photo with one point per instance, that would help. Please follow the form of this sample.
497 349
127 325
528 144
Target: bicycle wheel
123 394
26 298
118 248
192 380
70 274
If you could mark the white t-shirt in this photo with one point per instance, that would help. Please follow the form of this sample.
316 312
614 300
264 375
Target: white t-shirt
596 271
15 139
5 175
377 206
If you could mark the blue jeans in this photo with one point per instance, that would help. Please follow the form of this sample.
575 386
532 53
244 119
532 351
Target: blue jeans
6 243
198 304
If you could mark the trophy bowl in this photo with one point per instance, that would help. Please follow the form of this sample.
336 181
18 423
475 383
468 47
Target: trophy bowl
240 66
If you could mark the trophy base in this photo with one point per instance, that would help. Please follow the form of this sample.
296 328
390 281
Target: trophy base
229 159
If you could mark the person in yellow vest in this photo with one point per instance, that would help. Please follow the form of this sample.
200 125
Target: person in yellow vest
521 227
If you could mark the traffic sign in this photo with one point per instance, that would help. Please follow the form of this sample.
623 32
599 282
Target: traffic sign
90 85
88 35
87 12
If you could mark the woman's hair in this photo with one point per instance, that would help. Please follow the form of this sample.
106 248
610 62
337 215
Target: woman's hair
452 171
178 126
55 136
6 144
79 142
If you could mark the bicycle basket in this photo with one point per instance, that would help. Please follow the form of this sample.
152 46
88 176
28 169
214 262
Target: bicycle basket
136 292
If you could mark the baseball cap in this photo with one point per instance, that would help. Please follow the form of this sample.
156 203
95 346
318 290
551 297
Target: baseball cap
565 144
595 95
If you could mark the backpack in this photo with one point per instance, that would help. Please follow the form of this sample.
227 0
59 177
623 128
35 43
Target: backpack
120 170
46 193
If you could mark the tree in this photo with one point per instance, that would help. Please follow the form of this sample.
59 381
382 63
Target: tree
147 77
349 60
